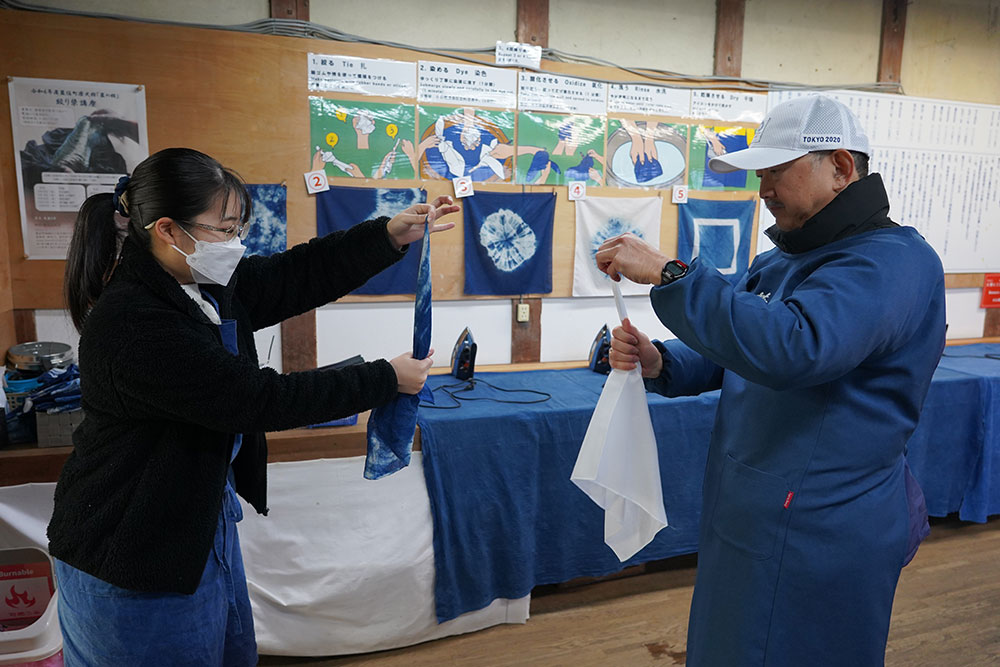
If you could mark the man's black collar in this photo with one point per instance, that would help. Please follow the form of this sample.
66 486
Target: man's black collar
861 207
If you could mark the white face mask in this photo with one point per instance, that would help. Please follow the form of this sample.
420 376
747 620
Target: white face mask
213 263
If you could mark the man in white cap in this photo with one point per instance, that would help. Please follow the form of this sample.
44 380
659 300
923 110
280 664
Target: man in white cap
824 352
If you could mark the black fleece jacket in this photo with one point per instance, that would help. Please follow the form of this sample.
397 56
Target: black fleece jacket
137 502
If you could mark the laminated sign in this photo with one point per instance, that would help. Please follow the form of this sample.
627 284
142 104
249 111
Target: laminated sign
618 466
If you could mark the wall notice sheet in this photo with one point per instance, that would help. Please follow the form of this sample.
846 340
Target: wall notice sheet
72 139
940 161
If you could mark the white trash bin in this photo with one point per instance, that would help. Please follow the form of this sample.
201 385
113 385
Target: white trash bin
40 643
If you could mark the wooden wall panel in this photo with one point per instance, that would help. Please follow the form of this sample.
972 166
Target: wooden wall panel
243 99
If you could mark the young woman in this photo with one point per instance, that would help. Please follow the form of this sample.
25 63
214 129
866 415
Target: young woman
143 532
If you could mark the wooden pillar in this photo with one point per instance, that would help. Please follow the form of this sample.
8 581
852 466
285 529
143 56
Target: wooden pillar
729 37
526 337
991 327
8 328
24 325
290 9
533 22
298 343
890 50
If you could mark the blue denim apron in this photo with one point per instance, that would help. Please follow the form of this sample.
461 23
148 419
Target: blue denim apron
103 624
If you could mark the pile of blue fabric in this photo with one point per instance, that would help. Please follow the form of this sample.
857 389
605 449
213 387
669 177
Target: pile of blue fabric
55 391
58 391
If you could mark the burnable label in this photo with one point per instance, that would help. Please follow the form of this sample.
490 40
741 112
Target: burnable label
25 591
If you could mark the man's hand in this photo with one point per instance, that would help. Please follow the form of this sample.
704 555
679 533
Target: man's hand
630 346
631 257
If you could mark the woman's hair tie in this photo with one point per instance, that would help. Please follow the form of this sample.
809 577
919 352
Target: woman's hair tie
121 199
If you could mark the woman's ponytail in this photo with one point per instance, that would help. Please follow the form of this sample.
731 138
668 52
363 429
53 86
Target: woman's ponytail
92 255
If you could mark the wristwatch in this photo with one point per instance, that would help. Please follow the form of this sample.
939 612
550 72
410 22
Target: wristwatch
673 270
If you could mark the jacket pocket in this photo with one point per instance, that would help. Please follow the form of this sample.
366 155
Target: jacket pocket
749 509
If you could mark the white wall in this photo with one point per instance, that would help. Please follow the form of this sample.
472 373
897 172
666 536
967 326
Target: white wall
673 35
440 24
220 12
819 42
385 330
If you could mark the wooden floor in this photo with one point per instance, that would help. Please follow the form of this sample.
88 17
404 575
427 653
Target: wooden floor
947 612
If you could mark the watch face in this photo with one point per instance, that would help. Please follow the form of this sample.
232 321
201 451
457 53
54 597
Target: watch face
674 269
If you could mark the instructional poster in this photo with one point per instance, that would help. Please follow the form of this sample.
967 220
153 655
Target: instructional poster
554 149
464 141
646 153
72 139
940 162
362 139
710 141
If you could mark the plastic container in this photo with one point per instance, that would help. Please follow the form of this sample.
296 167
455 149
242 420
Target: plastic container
18 390
38 644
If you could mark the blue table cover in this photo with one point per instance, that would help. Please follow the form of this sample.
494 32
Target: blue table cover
507 518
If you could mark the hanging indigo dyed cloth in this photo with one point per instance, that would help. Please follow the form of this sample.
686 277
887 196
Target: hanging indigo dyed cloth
343 207
268 222
716 231
508 243
391 426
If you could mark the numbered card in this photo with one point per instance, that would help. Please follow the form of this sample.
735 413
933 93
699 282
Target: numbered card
316 182
577 190
463 186
680 194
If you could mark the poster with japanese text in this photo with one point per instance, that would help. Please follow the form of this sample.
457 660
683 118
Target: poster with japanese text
646 153
477 143
362 139
554 149
711 141
72 139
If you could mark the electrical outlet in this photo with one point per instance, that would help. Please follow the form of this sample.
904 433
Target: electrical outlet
523 312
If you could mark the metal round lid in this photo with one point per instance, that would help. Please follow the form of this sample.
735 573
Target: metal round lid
39 355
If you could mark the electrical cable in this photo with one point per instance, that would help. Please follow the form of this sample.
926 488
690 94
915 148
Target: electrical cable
308 29
456 391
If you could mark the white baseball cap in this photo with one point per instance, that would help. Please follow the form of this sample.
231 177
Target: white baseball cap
794 128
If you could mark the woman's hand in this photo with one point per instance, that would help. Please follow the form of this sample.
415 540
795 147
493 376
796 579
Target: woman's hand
411 373
630 346
408 226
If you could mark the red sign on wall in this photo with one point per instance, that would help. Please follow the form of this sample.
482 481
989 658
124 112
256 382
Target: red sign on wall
991 291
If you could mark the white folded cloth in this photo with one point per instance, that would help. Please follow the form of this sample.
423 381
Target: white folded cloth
618 466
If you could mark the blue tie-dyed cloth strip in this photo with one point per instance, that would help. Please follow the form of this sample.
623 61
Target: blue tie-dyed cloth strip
391 427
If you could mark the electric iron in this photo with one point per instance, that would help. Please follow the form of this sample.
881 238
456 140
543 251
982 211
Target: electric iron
463 356
599 351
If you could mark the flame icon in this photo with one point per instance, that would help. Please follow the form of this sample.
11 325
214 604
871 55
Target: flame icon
19 598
